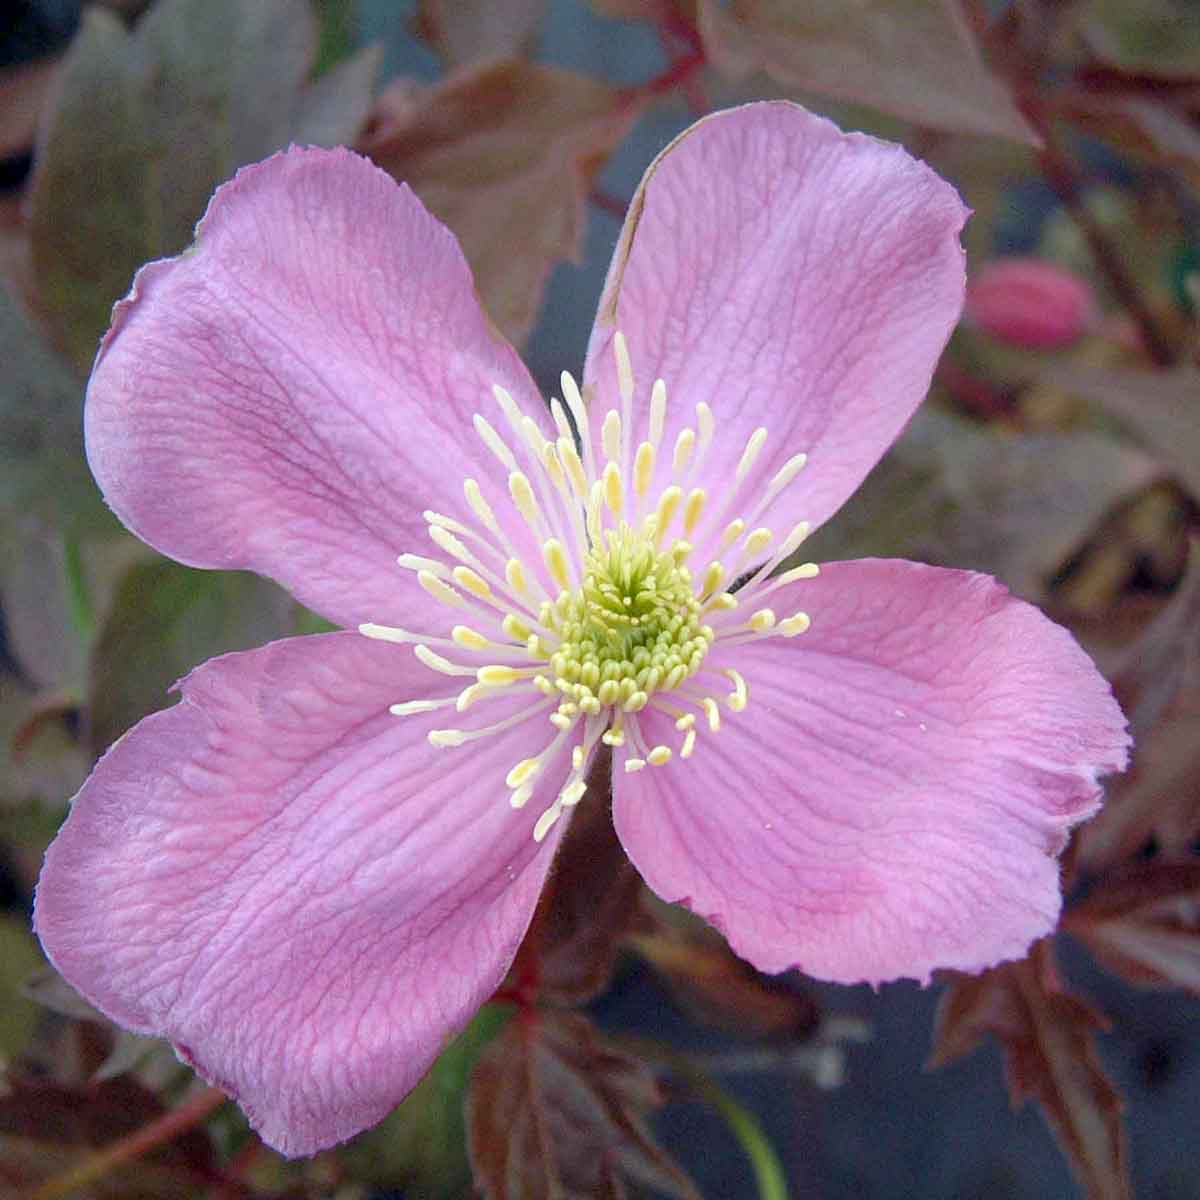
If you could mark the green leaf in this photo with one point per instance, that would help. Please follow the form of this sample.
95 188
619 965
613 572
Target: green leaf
19 958
165 620
43 472
148 123
422 1145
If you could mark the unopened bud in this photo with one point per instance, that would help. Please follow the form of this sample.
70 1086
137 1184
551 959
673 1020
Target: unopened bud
1032 304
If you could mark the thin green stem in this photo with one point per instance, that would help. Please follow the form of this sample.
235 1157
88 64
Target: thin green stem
79 596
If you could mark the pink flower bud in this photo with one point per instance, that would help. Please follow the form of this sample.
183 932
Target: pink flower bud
1030 303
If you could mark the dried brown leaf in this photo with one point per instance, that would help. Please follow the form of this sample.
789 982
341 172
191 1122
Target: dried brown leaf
45 1128
718 988
463 32
555 1112
24 91
1161 408
1157 680
1050 1055
1144 924
912 58
505 154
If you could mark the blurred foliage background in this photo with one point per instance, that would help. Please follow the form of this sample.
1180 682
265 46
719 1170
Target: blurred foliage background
1060 451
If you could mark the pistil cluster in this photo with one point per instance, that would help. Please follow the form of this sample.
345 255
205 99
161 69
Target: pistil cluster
612 621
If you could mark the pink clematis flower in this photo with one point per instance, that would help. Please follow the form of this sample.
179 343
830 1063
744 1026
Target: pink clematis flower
313 869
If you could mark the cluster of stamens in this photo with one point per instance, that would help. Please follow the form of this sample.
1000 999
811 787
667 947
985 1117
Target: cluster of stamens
620 625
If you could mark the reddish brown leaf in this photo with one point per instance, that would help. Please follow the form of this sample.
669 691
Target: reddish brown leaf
46 1127
23 93
1161 409
912 58
555 1112
1157 681
505 155
473 31
590 902
1050 1055
1144 924
721 989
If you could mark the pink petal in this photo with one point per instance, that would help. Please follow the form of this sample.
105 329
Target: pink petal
289 395
293 886
892 799
792 277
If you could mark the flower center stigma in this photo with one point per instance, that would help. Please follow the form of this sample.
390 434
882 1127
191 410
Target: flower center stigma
578 602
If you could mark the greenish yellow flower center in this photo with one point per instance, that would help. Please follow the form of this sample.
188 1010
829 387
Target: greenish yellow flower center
633 628
585 607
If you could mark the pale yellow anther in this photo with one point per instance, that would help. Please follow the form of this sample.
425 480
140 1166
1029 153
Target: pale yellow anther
577 758
610 435
624 367
658 412
685 443
706 423
494 442
552 466
514 573
659 756
469 638
808 570
681 551
535 439
498 675
445 522
555 558
758 541
714 576
609 692
686 722
636 702
795 538
561 721
524 771
643 469
786 474
417 562
435 662
440 591
750 455
693 510
791 626
763 620
712 712
520 797
469 695
634 764
515 628
447 542
522 495
668 506
443 738
571 394
740 696
724 602
409 707
507 404
545 823
614 490
733 532
573 793
472 582
387 633
689 744
559 413
569 457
